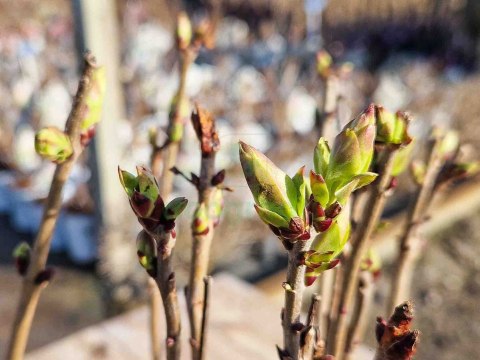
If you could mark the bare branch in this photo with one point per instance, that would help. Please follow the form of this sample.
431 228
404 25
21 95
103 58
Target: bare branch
410 242
361 238
30 292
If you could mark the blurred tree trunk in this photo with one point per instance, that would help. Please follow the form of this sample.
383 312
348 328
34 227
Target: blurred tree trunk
97 29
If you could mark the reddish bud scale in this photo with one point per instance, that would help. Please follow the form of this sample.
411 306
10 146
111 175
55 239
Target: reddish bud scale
22 265
218 178
44 276
322 225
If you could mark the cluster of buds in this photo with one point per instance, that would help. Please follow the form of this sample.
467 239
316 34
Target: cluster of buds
53 144
147 204
396 340
21 255
279 198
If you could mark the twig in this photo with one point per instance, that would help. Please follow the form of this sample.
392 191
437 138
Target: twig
171 148
372 212
164 157
410 242
165 280
31 290
294 289
204 125
154 317
205 316
328 278
360 317
328 115
309 336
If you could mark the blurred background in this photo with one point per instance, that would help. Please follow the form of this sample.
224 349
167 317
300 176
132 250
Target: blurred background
261 82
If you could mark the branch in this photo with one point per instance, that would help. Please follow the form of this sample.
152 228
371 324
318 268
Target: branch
205 316
165 279
154 317
366 289
309 336
328 115
31 290
410 242
204 125
361 240
294 289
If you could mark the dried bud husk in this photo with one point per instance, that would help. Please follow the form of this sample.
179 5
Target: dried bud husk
392 128
184 31
53 144
204 124
396 340
175 207
21 254
147 252
201 221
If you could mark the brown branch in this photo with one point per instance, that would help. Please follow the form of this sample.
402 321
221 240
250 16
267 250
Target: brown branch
366 289
361 240
294 289
171 148
328 114
165 279
204 125
205 316
154 306
410 242
30 292
327 283
163 158
309 336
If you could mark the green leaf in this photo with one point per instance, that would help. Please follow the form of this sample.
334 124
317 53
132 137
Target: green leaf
147 183
321 157
319 188
292 192
128 181
175 207
271 218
